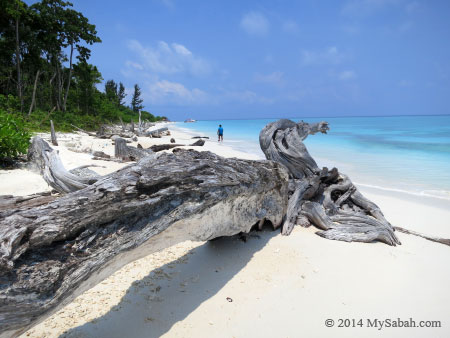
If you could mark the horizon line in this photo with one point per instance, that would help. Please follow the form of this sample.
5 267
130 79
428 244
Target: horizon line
308 117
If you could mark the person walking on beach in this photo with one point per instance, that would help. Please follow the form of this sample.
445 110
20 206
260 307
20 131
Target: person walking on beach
220 133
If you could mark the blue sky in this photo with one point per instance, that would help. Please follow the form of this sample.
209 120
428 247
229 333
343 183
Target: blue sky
256 59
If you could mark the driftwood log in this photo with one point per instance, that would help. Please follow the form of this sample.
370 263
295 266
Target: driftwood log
155 132
9 202
159 147
46 160
127 153
100 154
54 248
84 131
51 253
198 143
53 134
322 197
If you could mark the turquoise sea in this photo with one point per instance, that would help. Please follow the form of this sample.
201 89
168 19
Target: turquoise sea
408 154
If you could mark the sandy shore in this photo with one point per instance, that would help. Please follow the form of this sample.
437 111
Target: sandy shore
278 286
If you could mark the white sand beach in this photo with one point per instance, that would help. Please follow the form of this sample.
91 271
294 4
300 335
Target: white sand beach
269 286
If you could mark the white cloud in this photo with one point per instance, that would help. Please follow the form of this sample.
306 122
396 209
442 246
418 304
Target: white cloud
329 56
275 78
169 59
135 65
180 49
255 23
290 26
164 91
347 75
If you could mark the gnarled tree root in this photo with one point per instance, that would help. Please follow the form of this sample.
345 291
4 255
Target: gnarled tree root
328 199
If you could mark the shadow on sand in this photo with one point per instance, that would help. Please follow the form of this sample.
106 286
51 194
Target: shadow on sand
170 293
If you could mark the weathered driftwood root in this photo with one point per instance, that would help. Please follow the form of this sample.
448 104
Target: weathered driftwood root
282 141
51 253
328 199
127 153
445 241
44 158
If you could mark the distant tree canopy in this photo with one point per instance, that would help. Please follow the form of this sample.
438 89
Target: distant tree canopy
45 71
136 101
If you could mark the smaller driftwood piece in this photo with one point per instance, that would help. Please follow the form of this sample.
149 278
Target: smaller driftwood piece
45 159
128 153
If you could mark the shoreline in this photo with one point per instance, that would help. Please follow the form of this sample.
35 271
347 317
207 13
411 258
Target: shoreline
429 199
182 290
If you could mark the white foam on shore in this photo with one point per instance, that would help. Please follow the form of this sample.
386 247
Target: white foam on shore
441 194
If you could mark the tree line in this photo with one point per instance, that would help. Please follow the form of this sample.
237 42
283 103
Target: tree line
45 71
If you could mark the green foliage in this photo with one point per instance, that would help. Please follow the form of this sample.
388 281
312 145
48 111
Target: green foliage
111 90
14 138
39 82
121 94
9 103
64 121
136 101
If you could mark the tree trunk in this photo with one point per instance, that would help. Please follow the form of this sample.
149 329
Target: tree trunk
59 86
328 199
53 134
19 75
51 253
33 97
51 88
140 123
70 78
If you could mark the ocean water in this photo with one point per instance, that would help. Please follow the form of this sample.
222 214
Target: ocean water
409 154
